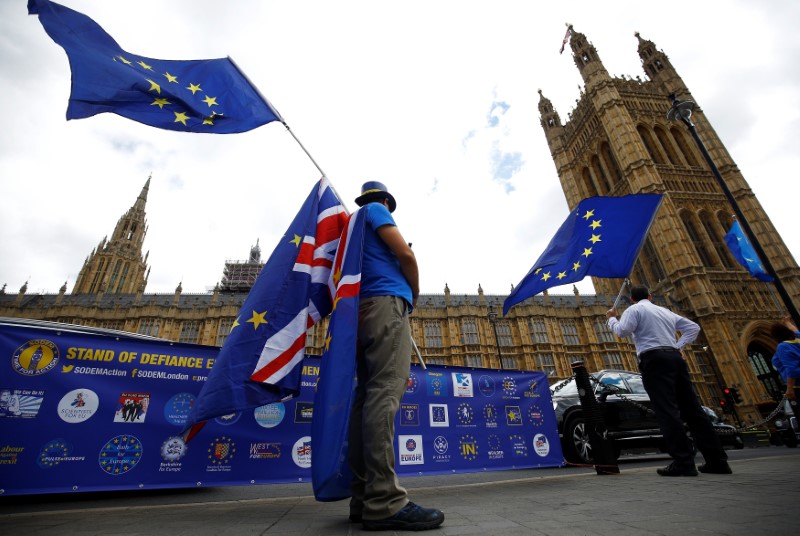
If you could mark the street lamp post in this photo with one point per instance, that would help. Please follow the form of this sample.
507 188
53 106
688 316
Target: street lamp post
682 110
493 322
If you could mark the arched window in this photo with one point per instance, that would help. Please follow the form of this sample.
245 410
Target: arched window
725 221
610 162
600 173
696 239
716 238
686 150
761 361
667 146
588 184
648 144
650 258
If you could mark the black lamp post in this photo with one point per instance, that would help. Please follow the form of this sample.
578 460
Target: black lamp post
682 111
493 322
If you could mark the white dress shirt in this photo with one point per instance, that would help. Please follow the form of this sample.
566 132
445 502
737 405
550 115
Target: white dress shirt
652 326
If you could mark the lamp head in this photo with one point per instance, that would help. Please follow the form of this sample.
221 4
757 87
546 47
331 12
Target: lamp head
680 109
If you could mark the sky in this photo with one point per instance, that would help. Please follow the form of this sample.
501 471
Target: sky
436 99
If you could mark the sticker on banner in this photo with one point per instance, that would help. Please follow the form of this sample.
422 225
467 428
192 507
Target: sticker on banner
35 357
78 405
462 384
411 451
301 452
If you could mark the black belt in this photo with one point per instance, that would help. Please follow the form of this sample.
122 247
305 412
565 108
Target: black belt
657 349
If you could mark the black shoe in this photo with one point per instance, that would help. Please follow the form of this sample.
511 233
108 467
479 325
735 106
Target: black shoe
355 518
410 517
718 468
673 470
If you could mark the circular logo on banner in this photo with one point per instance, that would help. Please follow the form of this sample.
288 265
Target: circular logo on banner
177 408
519 447
301 452
486 385
465 413
120 455
229 419
468 447
35 357
440 445
541 445
535 415
53 453
413 384
173 449
270 415
221 451
490 415
78 405
509 386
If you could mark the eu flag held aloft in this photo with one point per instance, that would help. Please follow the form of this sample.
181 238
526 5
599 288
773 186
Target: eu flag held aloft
743 252
188 96
601 237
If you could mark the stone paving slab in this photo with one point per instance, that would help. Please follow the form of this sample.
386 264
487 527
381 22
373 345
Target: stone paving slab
761 497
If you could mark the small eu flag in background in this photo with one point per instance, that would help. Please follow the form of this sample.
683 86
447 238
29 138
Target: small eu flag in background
743 252
601 237
188 96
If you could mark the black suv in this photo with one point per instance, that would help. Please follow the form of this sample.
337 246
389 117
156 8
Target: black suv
625 406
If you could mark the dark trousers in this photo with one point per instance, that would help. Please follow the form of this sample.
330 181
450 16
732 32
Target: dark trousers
665 376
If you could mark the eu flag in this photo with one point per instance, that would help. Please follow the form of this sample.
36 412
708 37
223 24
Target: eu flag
188 96
743 252
601 237
330 473
261 360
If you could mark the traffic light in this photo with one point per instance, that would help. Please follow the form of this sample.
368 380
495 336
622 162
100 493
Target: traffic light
726 406
727 392
735 395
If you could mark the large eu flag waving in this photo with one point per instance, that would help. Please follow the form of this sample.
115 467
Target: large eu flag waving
601 237
745 254
210 96
261 360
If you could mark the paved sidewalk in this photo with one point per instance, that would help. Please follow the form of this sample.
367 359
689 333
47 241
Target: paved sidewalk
761 497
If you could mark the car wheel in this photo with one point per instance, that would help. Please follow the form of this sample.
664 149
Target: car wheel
577 448
790 440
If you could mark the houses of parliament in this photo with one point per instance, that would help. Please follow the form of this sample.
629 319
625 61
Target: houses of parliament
616 141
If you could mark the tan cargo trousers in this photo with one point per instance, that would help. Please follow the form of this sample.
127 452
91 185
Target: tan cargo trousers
383 362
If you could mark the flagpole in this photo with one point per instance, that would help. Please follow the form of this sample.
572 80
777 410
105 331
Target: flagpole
625 281
419 355
280 117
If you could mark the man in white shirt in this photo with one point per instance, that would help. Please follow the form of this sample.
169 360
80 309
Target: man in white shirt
665 376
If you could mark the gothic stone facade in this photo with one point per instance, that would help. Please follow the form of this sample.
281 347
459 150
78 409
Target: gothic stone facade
617 141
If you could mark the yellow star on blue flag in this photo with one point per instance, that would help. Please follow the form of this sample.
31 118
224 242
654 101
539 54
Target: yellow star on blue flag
106 78
601 237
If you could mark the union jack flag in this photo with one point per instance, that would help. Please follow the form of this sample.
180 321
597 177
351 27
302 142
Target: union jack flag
330 474
260 361
566 38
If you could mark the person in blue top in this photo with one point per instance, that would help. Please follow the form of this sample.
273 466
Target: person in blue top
787 357
666 379
389 291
